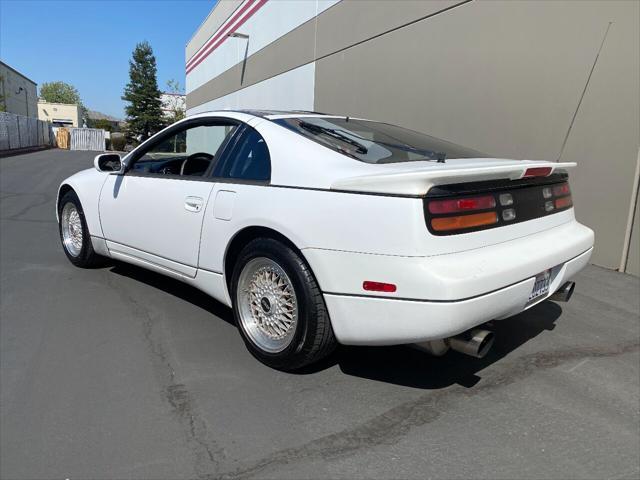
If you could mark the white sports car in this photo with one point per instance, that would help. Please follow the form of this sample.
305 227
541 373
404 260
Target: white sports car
321 229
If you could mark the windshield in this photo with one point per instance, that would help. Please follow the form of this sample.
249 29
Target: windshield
375 142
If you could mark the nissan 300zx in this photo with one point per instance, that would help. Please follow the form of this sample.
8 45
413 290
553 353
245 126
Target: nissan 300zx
322 229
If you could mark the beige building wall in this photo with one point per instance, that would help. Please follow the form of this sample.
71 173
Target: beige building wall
507 78
59 113
19 93
555 80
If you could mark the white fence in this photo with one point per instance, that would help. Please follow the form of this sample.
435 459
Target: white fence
87 139
17 131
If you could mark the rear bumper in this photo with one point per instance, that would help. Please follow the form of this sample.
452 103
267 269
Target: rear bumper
441 296
360 320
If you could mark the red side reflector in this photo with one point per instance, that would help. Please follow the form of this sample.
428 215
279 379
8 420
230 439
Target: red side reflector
378 286
538 172
462 204
563 202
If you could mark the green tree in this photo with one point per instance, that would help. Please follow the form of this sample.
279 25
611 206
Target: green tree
175 104
144 111
102 123
61 92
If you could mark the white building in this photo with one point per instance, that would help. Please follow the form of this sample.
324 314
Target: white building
172 102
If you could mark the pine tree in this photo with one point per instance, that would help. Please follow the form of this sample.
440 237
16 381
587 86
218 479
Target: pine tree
144 112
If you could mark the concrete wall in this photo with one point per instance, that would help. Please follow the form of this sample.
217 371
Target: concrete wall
15 101
526 79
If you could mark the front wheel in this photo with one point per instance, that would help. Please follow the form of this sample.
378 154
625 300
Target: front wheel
278 306
74 233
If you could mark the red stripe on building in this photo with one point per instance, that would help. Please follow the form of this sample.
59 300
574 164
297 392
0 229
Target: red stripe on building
241 16
217 34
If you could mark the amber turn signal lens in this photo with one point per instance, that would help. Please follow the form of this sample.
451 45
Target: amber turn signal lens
464 221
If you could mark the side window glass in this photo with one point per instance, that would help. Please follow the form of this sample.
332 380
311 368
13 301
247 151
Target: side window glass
249 159
188 152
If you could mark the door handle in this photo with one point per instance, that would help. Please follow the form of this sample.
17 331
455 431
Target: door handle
193 204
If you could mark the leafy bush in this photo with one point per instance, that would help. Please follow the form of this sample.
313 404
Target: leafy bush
102 123
118 142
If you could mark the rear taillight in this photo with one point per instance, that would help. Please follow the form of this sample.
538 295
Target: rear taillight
462 204
460 222
562 198
563 202
459 213
562 189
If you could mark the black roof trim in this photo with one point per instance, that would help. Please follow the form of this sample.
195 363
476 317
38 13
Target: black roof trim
265 113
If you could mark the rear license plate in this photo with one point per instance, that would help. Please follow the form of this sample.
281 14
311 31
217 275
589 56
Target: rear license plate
541 285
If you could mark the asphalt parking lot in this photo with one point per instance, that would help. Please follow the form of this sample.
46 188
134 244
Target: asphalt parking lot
121 373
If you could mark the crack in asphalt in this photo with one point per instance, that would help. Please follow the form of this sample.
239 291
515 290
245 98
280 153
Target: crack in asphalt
390 426
45 198
206 452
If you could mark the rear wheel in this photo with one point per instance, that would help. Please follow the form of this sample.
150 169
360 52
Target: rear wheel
278 306
74 234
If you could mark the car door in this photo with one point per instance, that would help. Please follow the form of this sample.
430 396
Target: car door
153 213
241 175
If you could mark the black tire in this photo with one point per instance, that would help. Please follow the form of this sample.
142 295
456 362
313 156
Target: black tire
87 257
313 338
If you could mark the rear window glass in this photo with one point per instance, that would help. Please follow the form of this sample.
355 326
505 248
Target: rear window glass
375 142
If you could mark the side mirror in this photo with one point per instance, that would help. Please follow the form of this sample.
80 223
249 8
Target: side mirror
108 163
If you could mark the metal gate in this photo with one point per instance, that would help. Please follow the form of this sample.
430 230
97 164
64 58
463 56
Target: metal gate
87 139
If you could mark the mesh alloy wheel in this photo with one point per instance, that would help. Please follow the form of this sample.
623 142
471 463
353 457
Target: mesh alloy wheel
71 228
268 306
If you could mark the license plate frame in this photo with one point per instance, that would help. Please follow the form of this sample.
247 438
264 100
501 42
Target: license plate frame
541 285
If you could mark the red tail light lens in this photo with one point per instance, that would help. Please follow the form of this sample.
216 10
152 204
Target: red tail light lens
563 202
562 189
462 204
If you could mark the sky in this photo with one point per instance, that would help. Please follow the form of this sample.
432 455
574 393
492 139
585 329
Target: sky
89 43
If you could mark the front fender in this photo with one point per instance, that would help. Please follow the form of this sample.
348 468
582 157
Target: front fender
87 184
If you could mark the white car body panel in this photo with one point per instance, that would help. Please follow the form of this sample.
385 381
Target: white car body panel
134 212
418 181
351 221
87 184
386 321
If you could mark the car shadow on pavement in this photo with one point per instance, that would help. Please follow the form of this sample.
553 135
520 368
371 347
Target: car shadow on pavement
399 365
174 287
403 365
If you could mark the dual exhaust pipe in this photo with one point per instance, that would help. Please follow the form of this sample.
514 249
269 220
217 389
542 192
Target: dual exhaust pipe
475 342
478 341
563 294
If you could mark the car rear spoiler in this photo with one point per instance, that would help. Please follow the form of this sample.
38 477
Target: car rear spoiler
418 182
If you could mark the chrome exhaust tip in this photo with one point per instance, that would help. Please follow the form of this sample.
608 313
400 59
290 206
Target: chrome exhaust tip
563 294
476 342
